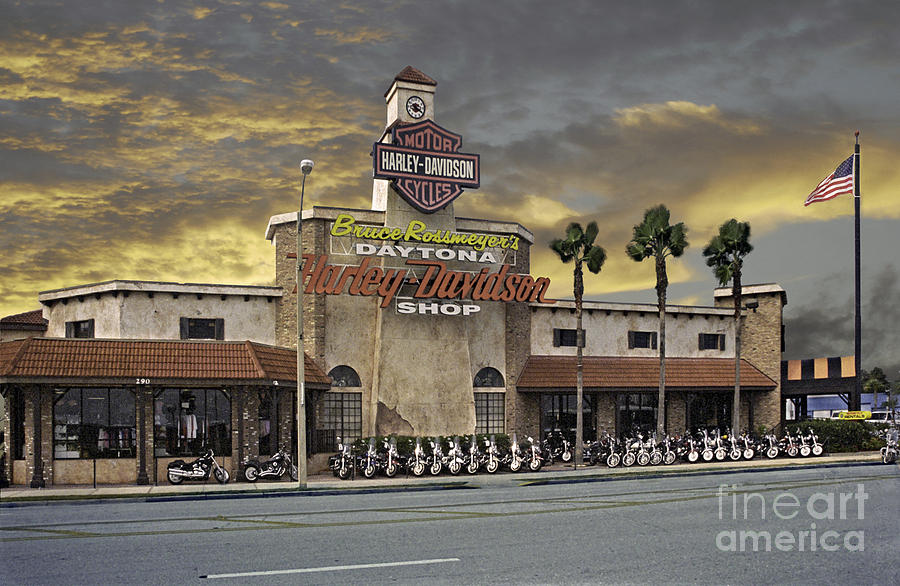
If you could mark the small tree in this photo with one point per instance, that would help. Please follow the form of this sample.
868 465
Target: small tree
578 245
725 254
876 382
655 237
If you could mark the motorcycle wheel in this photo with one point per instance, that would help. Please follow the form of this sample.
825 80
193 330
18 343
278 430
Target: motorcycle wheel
707 455
221 475
772 453
669 458
418 469
492 466
369 472
515 465
805 451
721 454
735 455
294 475
566 456
251 473
656 458
628 459
749 454
817 450
693 456
643 459
472 468
454 467
534 465
343 473
436 468
390 471
613 460
175 479
792 452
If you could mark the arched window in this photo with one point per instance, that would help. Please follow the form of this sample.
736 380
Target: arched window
488 377
344 376
490 408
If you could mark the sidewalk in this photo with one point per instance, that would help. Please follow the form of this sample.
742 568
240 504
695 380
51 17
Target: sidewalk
326 484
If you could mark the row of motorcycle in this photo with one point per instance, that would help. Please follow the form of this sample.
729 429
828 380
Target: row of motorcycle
473 455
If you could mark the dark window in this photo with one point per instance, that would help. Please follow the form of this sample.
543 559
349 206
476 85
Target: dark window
558 412
642 340
488 377
340 415
344 376
490 413
94 423
196 328
268 422
187 422
563 337
80 329
17 423
712 341
636 412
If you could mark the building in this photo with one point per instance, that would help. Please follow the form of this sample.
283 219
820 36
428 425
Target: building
416 322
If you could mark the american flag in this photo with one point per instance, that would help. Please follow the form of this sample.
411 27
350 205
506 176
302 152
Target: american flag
838 183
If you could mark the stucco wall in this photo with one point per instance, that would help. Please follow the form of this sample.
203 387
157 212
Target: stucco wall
606 331
149 315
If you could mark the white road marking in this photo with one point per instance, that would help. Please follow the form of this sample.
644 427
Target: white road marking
332 568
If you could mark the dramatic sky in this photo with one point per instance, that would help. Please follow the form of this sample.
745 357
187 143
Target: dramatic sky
154 139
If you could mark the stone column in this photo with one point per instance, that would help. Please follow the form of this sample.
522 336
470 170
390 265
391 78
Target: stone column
37 477
141 396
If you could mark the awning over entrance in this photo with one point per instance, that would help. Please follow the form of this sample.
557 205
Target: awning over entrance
818 376
549 373
157 362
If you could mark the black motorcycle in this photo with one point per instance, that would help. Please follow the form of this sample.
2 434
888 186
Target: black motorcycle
199 469
272 468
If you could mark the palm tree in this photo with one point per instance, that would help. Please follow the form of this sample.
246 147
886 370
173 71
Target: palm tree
655 237
725 254
578 245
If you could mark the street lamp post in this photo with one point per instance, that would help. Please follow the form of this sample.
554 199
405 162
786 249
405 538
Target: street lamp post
306 167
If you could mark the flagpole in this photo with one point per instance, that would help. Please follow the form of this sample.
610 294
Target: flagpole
856 396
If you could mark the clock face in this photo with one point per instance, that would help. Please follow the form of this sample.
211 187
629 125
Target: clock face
415 107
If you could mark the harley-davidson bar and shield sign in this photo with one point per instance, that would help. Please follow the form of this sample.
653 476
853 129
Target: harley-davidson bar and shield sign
426 166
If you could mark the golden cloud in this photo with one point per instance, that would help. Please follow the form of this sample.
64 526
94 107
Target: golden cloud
681 114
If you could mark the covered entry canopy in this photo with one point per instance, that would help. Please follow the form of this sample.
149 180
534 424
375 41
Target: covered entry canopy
554 373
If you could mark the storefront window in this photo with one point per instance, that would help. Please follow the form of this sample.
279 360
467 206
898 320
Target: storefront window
709 411
187 422
340 416
94 423
636 412
17 423
558 413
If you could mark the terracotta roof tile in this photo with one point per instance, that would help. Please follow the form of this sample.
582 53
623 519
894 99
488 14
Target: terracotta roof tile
161 359
413 75
614 372
29 320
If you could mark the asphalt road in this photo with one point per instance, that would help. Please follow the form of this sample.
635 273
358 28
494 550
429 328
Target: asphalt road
828 525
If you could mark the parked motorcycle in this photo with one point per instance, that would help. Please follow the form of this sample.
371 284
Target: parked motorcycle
199 469
369 462
516 458
474 460
274 467
534 459
690 450
817 448
436 460
771 446
342 462
491 456
735 450
556 446
889 451
417 461
390 458
455 458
